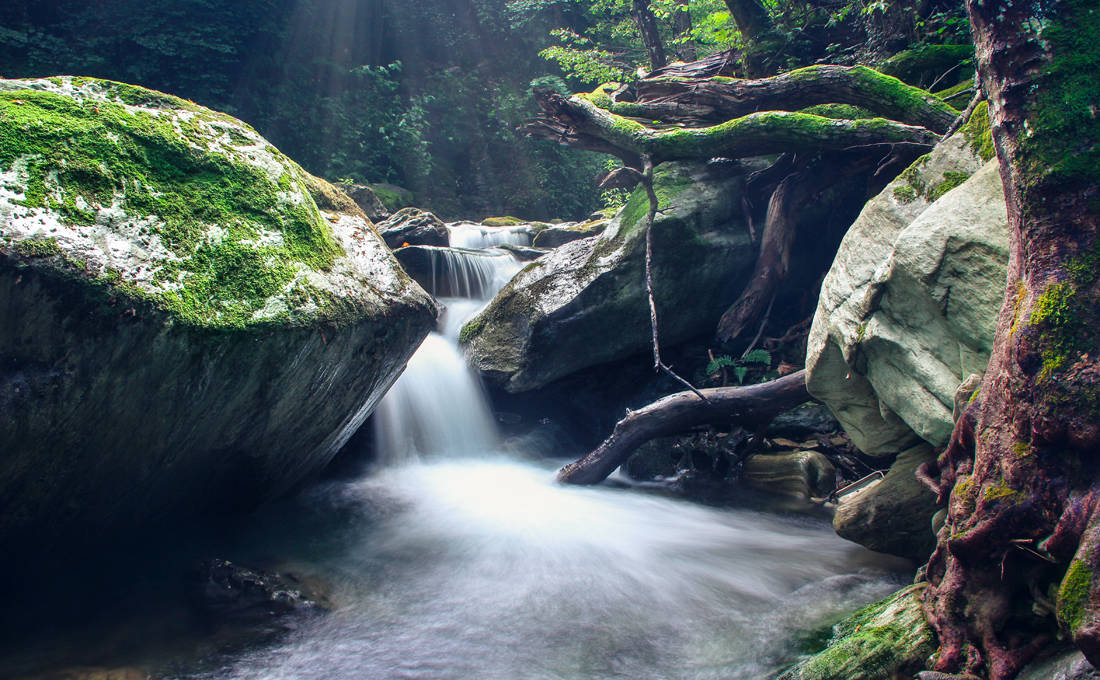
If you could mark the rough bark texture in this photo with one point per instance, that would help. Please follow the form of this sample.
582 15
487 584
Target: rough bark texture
753 406
577 122
761 37
651 37
692 100
681 25
1021 469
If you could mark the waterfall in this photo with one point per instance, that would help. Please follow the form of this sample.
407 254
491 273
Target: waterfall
478 236
438 405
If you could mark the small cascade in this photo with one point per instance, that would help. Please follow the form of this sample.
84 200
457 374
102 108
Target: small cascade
478 236
464 273
438 404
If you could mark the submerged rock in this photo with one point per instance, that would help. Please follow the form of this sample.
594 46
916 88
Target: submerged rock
189 322
883 641
797 474
894 515
585 303
413 227
908 310
229 594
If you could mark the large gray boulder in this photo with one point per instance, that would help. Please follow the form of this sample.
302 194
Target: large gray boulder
189 322
908 310
585 304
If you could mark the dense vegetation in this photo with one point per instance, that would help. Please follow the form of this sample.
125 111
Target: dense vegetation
424 95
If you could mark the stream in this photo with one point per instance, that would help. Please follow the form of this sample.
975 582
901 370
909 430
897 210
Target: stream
456 556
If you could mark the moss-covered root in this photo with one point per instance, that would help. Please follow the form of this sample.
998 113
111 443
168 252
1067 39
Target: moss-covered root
886 640
1079 592
720 98
577 122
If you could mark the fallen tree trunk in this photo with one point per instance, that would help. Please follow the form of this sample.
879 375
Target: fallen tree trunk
753 406
577 122
696 101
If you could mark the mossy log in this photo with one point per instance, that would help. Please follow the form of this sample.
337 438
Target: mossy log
720 98
577 122
753 406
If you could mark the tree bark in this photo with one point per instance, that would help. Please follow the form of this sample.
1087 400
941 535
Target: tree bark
651 37
754 406
751 18
762 40
696 101
1020 473
681 26
576 122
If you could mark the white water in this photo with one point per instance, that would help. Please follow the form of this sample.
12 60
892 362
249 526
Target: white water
478 236
456 562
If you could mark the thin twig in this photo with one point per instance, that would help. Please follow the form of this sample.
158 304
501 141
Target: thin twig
945 74
658 364
965 116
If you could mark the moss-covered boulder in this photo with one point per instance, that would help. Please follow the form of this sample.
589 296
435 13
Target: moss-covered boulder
908 309
888 640
585 304
189 322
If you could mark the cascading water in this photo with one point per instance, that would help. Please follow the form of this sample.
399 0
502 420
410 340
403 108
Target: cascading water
437 406
479 236
484 568
455 561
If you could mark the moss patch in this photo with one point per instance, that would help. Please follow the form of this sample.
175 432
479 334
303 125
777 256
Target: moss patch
1061 324
507 221
1060 148
950 181
885 640
81 155
978 133
1073 594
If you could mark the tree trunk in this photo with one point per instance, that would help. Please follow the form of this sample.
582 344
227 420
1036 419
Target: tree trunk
681 26
754 406
715 100
647 27
1021 469
751 18
762 42
577 122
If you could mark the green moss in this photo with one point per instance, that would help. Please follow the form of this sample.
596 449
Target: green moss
81 156
1059 147
667 184
1085 268
839 112
1056 313
950 181
910 65
979 134
507 221
912 176
391 199
1073 594
884 640
1001 492
959 95
905 193
860 332
471 329
38 248
1021 449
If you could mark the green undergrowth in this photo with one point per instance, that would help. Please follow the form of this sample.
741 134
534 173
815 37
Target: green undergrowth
208 208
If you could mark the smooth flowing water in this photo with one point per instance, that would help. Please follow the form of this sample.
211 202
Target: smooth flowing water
464 562
454 560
